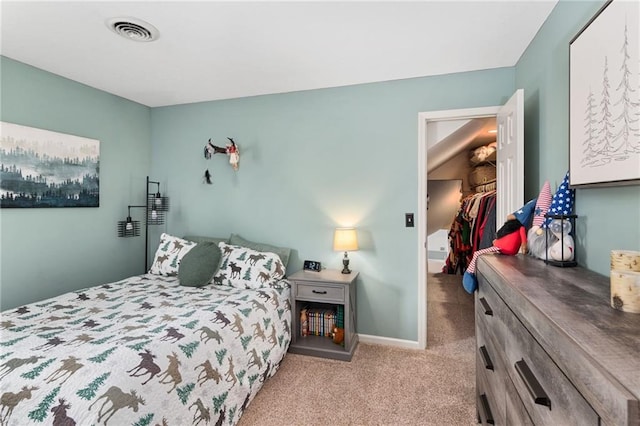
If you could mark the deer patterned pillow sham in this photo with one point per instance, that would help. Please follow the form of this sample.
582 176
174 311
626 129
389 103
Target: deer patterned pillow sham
141 351
243 267
170 252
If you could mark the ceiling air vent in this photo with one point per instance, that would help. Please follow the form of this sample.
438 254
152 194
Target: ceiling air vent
133 29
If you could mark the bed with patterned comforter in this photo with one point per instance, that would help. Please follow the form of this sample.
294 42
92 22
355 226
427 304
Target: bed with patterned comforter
141 351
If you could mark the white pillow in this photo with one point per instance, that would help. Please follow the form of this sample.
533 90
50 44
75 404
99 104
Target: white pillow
243 267
170 252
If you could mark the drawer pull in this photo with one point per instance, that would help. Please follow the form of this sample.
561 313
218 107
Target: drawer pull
535 389
487 308
484 402
485 357
319 292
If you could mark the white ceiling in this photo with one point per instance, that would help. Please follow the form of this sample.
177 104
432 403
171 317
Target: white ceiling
220 50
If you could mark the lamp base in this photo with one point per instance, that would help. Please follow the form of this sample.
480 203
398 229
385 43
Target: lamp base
345 263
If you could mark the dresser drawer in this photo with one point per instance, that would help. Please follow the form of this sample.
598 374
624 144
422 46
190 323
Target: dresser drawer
548 396
516 413
491 310
490 364
320 293
487 406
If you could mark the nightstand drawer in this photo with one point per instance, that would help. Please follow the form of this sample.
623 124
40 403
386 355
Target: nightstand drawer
320 293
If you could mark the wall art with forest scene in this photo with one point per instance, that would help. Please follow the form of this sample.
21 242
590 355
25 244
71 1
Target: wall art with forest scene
42 168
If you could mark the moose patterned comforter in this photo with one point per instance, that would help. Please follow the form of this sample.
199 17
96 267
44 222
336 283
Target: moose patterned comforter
142 351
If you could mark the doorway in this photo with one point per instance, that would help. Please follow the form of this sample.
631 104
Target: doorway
510 171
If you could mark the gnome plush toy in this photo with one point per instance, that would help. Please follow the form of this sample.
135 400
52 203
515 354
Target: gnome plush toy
512 238
540 236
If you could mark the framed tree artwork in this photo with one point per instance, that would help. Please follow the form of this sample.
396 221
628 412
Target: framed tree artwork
604 98
41 168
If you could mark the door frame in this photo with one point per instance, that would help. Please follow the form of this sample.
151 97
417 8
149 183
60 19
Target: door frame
424 118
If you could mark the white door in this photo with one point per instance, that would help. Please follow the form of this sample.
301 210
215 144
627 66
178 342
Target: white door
510 168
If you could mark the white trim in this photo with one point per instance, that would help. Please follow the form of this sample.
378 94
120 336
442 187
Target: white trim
423 119
388 341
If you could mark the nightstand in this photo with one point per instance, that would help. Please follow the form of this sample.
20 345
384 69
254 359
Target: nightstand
326 289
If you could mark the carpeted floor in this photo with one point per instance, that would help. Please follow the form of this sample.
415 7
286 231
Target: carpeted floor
383 385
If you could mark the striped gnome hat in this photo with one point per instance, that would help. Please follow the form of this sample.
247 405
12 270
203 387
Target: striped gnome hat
562 202
542 206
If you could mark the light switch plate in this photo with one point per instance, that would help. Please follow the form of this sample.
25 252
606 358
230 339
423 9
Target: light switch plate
408 220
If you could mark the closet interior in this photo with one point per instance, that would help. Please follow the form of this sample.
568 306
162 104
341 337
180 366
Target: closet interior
461 187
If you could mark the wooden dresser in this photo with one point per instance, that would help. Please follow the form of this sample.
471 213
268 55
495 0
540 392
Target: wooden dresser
549 348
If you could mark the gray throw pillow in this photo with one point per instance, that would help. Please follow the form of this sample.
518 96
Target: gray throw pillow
199 265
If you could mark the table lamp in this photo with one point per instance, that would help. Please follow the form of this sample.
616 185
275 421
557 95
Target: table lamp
345 239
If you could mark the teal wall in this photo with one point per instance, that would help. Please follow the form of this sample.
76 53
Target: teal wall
46 252
310 161
609 218
314 160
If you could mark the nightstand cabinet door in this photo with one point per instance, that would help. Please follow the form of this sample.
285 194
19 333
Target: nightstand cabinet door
324 290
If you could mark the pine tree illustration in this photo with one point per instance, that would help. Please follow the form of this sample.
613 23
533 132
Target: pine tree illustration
218 401
266 322
144 421
183 393
139 346
240 375
3 356
590 143
191 324
220 355
100 341
189 348
90 391
253 379
116 306
174 262
246 312
224 264
158 329
42 305
245 341
78 321
605 114
166 246
103 356
19 329
106 327
146 320
268 265
247 275
280 340
188 314
140 299
280 312
265 355
13 342
625 88
244 298
42 411
51 334
35 372
243 256
73 311
111 316
231 414
31 316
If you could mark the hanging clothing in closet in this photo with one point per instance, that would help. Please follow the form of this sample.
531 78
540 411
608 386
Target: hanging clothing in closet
473 228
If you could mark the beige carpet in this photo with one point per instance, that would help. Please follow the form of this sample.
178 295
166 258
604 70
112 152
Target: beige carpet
383 385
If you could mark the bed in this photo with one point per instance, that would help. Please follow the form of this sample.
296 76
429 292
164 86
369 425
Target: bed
148 350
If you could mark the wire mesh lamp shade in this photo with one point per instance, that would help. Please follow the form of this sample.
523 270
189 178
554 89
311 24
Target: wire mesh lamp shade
129 228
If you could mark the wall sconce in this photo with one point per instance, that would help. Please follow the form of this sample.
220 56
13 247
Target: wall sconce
155 208
345 239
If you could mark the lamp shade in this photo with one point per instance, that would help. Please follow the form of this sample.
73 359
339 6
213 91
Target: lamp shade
345 239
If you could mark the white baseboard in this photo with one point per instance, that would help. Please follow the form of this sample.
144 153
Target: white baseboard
388 341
